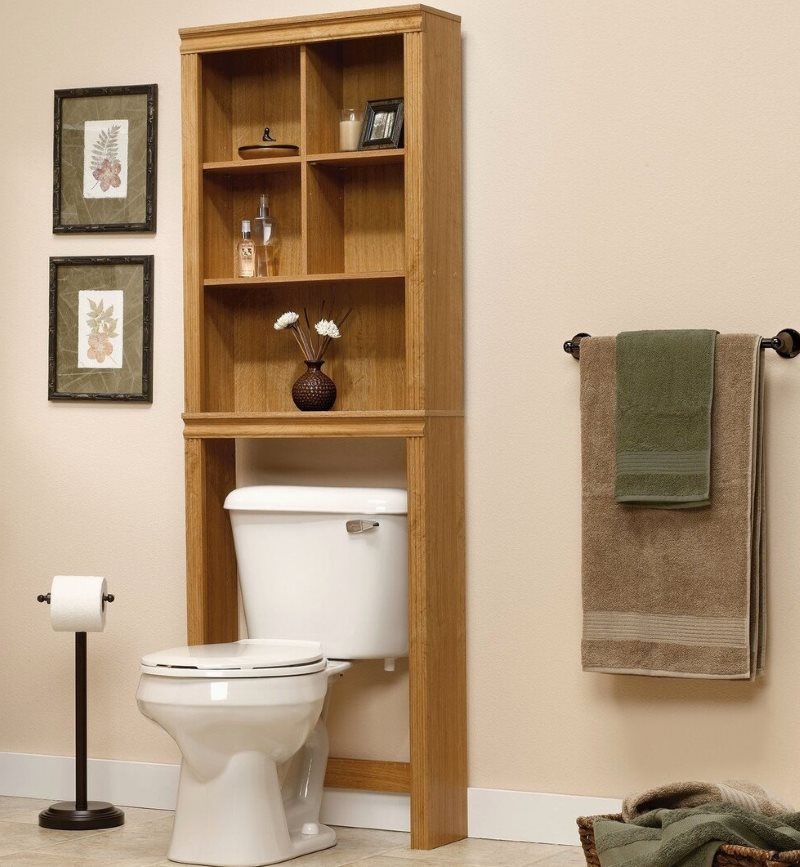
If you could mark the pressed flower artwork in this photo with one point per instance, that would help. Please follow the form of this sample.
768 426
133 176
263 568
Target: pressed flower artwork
105 159
104 154
101 338
100 342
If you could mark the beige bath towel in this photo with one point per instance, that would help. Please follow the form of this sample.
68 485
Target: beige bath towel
675 796
676 593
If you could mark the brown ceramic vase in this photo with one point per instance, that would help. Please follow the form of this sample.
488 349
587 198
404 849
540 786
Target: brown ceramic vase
314 391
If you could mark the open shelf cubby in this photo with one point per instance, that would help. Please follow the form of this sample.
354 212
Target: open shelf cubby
378 230
251 367
345 74
231 198
244 91
359 213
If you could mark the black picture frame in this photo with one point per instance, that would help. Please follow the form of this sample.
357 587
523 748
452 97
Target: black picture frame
383 124
90 127
77 349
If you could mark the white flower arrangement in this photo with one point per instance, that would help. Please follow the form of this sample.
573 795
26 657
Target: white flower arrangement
285 321
327 329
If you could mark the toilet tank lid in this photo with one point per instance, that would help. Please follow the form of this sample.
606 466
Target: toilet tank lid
317 499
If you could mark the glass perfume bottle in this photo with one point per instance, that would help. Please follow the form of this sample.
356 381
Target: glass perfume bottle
265 240
245 253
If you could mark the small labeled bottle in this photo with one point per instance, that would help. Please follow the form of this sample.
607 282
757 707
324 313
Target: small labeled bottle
265 240
245 253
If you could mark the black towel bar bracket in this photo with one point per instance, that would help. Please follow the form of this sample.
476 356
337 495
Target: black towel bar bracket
786 343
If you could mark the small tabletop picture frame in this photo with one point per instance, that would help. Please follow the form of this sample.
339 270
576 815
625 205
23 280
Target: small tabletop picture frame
104 159
383 124
101 328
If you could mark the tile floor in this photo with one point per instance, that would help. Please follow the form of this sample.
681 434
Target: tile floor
142 842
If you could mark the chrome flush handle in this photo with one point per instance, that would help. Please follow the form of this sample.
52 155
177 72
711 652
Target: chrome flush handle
361 526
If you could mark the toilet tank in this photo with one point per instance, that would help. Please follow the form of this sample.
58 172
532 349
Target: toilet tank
324 563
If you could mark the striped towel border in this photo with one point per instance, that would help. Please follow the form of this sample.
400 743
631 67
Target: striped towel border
666 628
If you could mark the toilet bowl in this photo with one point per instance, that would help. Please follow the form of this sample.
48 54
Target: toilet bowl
247 717
322 563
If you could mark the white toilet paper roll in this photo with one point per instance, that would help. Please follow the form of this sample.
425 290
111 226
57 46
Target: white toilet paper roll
76 603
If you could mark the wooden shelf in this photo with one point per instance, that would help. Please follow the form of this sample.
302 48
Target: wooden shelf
339 159
379 423
302 279
253 167
346 159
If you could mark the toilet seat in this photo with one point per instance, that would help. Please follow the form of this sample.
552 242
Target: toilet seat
250 657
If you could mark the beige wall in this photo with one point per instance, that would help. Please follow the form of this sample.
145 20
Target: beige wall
629 163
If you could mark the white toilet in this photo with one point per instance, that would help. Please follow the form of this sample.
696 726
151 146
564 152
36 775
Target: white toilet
323 577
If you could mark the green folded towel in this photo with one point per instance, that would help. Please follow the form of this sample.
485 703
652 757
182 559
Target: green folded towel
691 838
665 386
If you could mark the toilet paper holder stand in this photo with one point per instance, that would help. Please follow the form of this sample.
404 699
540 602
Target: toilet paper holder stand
80 814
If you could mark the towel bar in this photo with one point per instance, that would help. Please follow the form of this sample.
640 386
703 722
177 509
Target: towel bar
786 343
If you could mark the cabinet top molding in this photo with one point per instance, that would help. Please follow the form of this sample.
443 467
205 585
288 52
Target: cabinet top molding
308 28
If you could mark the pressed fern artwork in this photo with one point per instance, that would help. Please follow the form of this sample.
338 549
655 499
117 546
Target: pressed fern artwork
105 164
105 147
104 159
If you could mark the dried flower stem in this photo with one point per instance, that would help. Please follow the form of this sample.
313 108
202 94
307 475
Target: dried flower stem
296 334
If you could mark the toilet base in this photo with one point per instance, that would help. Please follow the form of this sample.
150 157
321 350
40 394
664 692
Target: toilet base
239 818
300 844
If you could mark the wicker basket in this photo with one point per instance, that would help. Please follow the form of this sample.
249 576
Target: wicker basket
727 855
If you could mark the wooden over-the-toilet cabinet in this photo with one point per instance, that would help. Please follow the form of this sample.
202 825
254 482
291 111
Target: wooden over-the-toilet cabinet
381 230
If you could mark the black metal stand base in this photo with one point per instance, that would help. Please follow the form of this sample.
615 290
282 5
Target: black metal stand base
64 817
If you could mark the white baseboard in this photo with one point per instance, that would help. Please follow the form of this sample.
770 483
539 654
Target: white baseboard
366 809
496 814
129 784
534 817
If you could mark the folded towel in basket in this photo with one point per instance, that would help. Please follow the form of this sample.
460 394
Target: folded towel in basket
676 593
665 385
691 838
673 796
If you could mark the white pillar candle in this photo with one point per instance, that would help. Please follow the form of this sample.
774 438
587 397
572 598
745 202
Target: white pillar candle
349 134
349 129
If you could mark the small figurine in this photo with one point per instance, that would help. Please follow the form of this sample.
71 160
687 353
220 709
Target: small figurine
268 147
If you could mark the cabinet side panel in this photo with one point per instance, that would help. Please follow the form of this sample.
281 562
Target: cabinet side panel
442 197
437 657
192 235
211 584
413 188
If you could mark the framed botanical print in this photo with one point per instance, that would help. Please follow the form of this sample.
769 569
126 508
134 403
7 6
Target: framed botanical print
101 328
104 159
